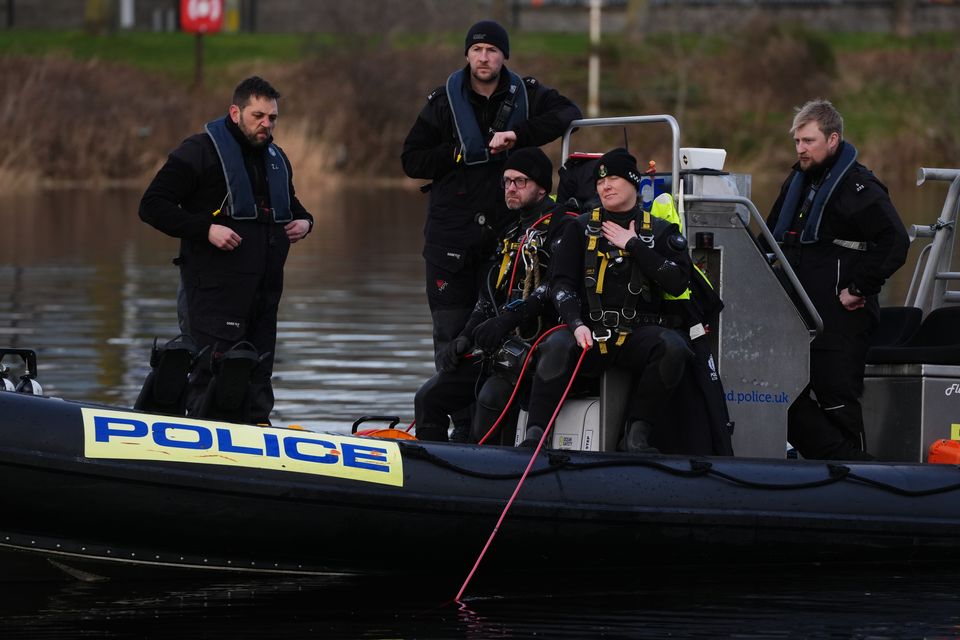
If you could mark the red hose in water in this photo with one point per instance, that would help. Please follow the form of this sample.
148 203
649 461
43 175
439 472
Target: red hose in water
523 370
522 478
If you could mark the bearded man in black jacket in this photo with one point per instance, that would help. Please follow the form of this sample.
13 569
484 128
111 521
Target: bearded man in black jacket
460 141
228 195
843 237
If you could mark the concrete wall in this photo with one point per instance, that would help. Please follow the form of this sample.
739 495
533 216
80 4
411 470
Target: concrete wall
385 16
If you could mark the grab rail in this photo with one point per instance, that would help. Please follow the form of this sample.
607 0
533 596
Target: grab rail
812 312
619 121
935 258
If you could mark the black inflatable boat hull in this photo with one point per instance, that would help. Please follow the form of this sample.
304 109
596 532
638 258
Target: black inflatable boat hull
91 486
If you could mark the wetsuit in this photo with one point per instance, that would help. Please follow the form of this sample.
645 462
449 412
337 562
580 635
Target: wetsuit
474 378
466 212
851 237
653 348
230 296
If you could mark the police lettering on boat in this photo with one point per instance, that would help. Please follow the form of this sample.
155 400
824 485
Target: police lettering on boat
137 436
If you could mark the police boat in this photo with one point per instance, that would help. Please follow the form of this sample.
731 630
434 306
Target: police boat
94 491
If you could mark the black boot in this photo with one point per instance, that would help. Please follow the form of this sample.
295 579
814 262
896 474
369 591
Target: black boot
636 438
460 433
461 425
432 432
532 437
164 390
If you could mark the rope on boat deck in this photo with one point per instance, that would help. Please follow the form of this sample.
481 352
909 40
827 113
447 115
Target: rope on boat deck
698 468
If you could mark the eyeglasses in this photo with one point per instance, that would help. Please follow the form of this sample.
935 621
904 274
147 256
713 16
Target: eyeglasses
519 183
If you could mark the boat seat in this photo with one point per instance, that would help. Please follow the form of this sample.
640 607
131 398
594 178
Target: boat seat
935 342
897 325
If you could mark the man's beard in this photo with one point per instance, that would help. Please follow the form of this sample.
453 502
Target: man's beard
521 204
257 143
251 137
815 168
494 78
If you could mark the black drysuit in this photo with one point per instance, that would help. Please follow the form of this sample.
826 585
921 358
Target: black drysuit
454 388
654 351
466 212
231 296
859 212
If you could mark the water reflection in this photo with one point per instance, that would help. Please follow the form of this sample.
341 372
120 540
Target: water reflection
787 603
88 285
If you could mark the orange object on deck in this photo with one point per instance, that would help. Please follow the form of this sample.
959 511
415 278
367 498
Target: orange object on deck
944 452
396 434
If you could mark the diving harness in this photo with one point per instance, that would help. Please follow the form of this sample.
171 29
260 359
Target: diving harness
604 322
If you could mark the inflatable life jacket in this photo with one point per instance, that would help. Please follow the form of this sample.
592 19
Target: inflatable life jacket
240 204
810 206
473 142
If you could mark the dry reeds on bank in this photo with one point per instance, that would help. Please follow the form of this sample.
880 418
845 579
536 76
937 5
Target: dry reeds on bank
346 113
86 123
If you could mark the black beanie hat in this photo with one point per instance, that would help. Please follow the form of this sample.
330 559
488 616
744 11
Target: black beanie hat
533 163
488 32
618 162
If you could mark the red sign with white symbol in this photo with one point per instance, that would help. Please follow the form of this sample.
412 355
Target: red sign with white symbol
201 16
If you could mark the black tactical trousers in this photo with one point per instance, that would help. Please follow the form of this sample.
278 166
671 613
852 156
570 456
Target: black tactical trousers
827 424
656 356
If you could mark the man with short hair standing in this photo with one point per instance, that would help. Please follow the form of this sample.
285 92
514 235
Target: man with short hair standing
460 141
228 195
843 237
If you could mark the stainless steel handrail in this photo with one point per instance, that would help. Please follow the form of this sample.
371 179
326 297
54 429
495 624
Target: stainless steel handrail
937 264
623 120
765 232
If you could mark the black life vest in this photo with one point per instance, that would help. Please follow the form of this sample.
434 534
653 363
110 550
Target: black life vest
473 142
240 203
813 200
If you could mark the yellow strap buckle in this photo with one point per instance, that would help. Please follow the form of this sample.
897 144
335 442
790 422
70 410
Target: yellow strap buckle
601 339
602 273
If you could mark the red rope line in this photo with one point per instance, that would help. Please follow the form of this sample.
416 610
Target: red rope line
533 458
516 387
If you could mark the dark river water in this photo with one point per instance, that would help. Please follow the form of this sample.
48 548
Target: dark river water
787 603
89 286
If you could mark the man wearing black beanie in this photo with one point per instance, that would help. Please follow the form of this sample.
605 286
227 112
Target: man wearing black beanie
514 300
609 274
488 32
460 141
530 163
